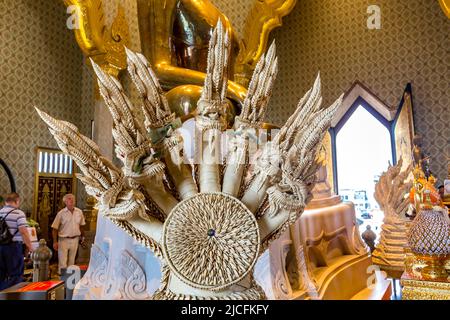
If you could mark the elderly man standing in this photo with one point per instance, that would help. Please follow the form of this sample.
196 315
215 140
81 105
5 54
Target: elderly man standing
67 232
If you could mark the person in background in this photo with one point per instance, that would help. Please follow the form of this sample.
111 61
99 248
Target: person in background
369 237
441 191
68 232
11 253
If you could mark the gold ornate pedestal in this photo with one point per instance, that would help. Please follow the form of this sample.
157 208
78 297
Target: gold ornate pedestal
414 289
417 285
392 271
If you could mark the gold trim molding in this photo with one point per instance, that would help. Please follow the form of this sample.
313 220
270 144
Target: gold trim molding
104 45
445 5
414 289
262 19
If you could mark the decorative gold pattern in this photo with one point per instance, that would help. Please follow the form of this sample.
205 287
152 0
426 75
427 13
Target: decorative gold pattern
263 17
413 289
104 45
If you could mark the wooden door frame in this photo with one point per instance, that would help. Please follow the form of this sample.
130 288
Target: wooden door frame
37 175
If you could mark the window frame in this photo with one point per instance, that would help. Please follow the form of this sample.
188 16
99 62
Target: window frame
360 96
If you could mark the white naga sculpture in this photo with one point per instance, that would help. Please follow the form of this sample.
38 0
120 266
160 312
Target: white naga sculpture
207 228
390 193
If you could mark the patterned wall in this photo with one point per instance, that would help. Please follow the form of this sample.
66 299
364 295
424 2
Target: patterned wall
412 46
236 11
40 64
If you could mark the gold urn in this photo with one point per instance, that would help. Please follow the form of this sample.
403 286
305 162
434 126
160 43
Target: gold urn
429 240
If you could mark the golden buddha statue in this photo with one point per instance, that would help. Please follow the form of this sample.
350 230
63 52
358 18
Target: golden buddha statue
176 43
424 194
174 38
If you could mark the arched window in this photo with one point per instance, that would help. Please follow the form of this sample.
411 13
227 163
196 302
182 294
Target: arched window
367 135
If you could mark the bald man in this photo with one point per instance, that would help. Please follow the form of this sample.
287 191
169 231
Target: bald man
68 232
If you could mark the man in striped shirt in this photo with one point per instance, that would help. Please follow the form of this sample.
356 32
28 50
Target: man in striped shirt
11 254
